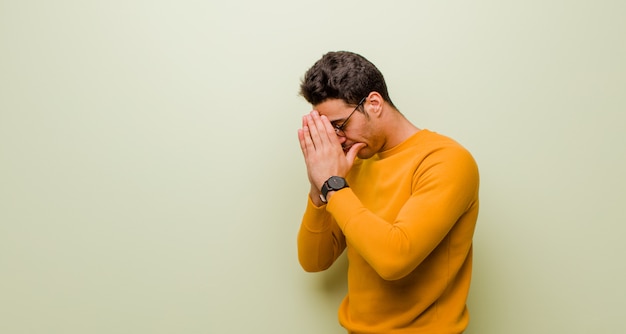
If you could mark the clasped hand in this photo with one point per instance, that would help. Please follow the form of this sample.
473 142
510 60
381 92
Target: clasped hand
322 150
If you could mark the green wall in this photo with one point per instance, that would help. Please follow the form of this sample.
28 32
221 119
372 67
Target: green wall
151 180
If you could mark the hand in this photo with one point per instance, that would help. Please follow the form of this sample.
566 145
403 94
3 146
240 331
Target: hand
323 154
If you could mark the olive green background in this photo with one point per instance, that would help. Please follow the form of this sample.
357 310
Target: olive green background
151 179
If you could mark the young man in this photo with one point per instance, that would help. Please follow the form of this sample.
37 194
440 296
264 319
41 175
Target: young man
402 201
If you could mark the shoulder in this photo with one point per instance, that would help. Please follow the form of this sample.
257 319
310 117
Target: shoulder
442 155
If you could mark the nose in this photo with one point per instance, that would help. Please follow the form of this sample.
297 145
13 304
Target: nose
342 139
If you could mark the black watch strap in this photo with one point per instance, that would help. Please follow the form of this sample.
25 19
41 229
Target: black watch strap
334 183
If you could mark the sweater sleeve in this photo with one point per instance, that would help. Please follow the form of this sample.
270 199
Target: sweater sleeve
442 191
320 240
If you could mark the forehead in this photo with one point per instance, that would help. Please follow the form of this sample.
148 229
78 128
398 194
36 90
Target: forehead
334 109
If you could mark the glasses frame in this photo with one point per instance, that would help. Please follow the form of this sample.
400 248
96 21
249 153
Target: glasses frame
340 129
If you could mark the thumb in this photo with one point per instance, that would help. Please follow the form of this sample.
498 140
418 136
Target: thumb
351 155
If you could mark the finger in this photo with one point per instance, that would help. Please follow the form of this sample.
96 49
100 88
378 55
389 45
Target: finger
323 125
351 155
330 131
302 142
316 130
306 131
309 145
327 132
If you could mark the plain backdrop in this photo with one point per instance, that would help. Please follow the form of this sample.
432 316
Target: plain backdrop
151 180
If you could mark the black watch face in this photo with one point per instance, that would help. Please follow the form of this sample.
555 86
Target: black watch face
336 182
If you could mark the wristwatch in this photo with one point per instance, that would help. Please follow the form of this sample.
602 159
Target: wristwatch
334 183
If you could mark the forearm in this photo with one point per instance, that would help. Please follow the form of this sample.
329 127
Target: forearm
382 244
393 248
320 241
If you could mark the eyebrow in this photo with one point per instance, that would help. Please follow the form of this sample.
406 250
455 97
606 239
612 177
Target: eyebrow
340 120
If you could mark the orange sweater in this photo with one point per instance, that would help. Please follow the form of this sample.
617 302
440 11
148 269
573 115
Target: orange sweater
407 222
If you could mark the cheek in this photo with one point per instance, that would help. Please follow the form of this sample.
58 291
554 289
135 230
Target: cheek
362 133
367 135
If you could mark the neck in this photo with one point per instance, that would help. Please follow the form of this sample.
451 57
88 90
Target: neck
398 129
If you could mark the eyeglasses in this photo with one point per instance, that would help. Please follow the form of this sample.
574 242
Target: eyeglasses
339 129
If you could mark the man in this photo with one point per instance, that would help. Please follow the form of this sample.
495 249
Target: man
403 201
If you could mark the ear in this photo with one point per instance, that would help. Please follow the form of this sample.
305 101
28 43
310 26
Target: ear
375 102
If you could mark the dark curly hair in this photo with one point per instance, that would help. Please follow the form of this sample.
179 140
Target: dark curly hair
342 75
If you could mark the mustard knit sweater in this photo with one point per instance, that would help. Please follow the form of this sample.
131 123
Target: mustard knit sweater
407 222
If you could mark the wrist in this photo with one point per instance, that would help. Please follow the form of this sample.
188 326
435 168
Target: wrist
333 184
330 194
314 195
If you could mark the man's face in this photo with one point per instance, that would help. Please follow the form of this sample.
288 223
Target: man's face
358 128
